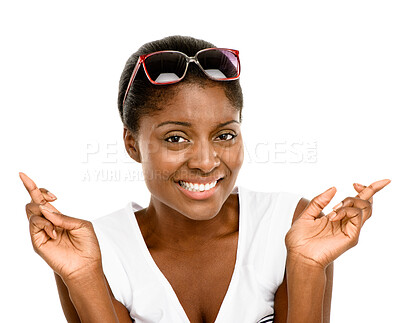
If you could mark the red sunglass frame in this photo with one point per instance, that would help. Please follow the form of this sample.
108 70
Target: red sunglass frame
142 59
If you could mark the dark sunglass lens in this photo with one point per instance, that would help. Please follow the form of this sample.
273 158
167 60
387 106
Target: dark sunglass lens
219 63
166 67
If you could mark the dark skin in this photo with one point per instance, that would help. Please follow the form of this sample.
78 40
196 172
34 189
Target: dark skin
281 300
216 280
203 144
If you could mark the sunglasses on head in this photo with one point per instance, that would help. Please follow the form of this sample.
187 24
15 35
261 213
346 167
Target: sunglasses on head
169 66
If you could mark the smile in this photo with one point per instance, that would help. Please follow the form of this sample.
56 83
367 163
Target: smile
195 187
199 191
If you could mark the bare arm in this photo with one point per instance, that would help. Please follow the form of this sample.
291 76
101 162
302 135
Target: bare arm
306 288
91 299
69 309
281 296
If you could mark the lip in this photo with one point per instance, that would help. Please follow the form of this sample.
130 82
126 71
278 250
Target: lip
200 195
201 180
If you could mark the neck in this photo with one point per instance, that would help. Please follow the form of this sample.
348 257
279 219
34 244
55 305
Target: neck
167 228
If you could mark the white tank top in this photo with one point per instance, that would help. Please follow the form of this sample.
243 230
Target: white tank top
137 282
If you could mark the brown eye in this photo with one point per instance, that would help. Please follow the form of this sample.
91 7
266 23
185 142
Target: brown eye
226 136
176 139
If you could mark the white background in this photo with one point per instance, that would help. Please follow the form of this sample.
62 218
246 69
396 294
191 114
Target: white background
321 83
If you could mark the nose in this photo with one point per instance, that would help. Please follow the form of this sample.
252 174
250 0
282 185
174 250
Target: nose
204 157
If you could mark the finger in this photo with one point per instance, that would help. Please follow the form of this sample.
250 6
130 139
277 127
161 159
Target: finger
349 221
354 201
38 223
61 220
363 205
47 194
32 189
32 209
369 191
350 213
359 188
318 203
35 193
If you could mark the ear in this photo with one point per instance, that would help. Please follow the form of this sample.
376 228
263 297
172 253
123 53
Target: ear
131 145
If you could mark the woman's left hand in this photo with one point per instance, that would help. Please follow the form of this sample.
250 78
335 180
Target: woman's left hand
318 241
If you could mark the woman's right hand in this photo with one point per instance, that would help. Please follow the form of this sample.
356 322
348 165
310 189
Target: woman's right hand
68 245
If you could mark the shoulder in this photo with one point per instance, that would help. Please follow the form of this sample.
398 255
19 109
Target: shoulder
116 219
262 195
109 220
277 200
268 209
117 237
113 228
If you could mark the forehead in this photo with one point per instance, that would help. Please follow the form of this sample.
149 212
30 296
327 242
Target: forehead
197 105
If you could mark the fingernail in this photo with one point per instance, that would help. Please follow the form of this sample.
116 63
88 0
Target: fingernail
51 195
331 216
358 184
55 234
337 206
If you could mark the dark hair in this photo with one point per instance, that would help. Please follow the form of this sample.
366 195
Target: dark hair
144 97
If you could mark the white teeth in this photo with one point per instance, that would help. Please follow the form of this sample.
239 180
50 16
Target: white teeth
197 187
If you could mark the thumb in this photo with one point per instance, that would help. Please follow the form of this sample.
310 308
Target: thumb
60 220
317 204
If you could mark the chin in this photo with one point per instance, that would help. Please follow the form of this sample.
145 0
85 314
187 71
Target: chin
200 213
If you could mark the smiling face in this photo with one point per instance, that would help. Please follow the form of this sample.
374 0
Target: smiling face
191 151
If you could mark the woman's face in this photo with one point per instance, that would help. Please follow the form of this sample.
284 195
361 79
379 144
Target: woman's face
191 151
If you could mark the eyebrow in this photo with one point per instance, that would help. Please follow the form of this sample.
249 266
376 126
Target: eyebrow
188 124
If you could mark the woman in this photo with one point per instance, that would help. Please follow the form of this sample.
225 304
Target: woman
203 250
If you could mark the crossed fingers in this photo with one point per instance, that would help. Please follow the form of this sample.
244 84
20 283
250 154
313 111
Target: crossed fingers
361 204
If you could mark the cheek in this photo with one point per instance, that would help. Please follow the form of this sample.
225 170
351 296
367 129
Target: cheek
159 164
233 157
241 156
